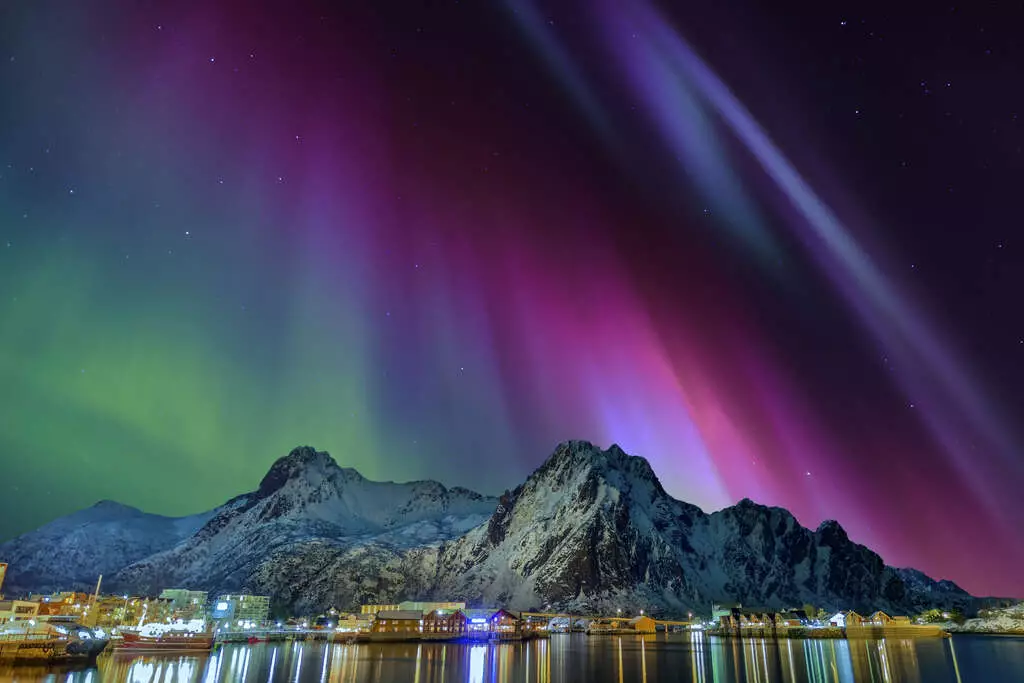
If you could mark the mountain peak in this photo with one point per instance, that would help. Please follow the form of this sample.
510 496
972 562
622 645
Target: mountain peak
831 532
109 510
302 461
572 456
107 504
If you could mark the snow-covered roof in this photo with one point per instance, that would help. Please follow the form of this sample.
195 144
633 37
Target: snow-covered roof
400 615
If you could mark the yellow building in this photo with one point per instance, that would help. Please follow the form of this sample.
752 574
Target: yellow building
642 624
425 607
881 625
373 609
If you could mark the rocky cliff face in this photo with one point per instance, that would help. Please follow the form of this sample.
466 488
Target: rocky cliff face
595 529
589 529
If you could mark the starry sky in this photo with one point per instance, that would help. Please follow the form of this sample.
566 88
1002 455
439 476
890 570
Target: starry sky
778 254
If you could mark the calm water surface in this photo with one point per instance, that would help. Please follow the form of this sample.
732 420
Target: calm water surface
575 658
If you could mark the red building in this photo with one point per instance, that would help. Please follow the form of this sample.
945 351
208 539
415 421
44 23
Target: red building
443 622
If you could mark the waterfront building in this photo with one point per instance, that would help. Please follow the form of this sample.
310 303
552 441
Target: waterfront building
794 617
534 624
881 625
620 626
373 609
853 618
762 622
478 620
354 623
643 624
185 604
111 611
445 622
65 604
120 610
503 621
51 609
398 624
248 609
606 626
425 607
724 609
12 611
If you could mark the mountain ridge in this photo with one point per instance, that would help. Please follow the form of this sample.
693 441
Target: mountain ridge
589 528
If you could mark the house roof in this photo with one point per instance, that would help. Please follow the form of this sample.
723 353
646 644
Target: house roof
445 613
400 614
637 620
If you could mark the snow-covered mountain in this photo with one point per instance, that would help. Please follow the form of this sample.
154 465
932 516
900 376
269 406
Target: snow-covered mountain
595 528
306 513
71 552
590 528
1004 620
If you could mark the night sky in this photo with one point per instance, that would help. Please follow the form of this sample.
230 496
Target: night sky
778 254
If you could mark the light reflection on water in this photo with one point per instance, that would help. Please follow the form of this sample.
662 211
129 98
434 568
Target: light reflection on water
601 659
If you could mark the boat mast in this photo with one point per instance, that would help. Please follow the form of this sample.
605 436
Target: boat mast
91 616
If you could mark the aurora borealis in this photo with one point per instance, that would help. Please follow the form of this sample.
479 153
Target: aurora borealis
436 239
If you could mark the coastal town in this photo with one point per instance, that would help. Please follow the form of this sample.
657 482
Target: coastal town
76 625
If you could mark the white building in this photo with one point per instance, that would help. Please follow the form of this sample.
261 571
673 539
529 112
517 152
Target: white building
17 610
185 604
248 609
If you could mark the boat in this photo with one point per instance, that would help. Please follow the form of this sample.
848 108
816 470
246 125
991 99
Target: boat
44 642
192 636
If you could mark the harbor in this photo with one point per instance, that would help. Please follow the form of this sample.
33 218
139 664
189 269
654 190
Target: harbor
563 658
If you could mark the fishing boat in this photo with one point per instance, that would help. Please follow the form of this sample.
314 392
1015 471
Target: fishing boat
192 636
44 642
